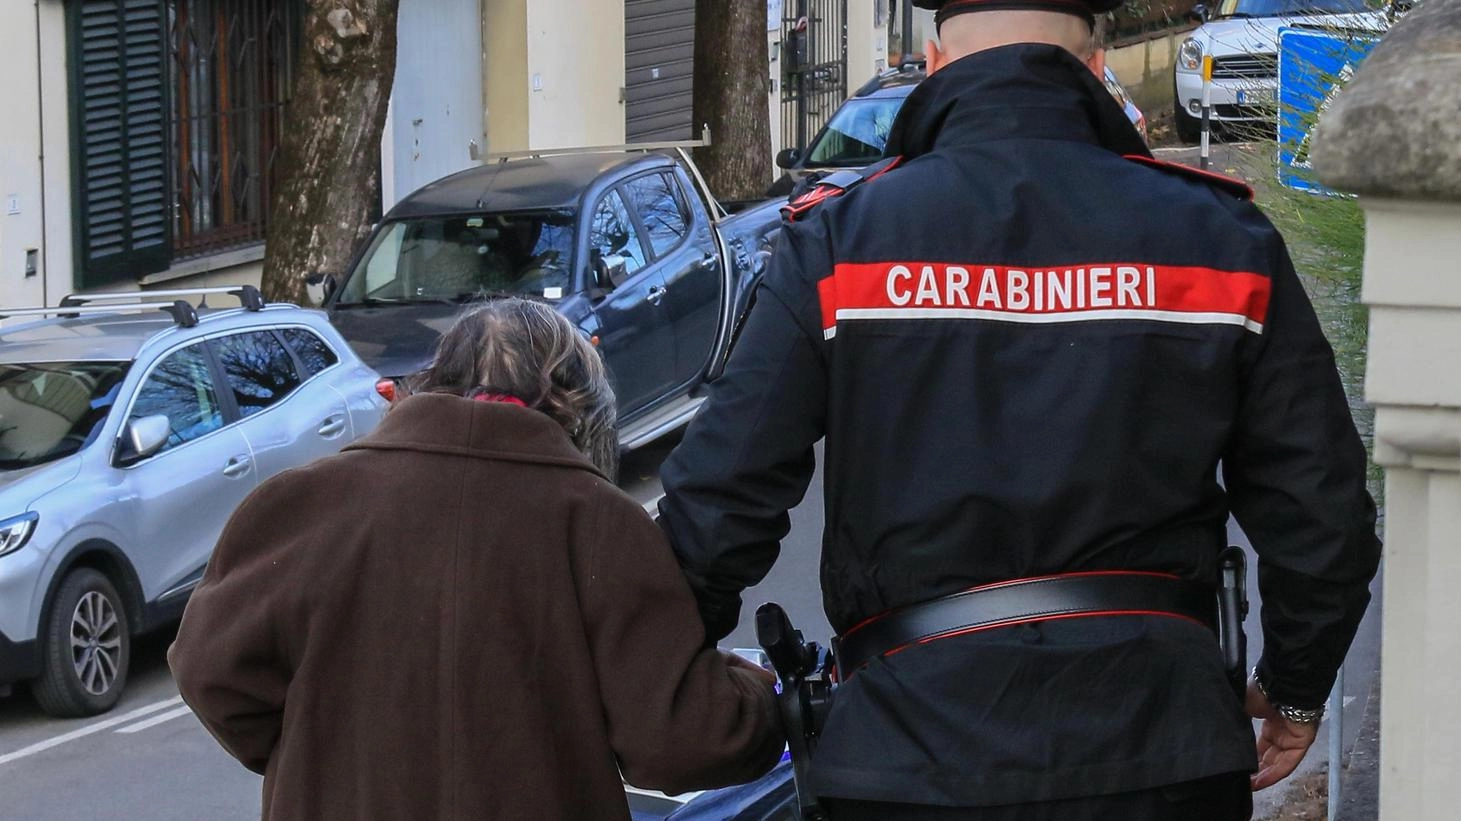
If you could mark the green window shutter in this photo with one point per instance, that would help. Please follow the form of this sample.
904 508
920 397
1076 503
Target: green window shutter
122 224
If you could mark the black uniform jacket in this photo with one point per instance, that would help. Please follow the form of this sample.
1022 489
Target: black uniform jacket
1029 349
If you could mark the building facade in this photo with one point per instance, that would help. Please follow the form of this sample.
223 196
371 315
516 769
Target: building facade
143 133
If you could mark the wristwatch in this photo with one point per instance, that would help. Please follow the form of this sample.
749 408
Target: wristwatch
1296 715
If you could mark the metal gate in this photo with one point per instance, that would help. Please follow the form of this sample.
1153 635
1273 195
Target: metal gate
814 67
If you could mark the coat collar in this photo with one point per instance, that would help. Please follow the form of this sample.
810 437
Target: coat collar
1026 90
441 423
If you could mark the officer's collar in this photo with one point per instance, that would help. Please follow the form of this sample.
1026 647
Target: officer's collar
1022 90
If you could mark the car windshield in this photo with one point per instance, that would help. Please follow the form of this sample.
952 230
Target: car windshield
856 134
52 409
458 258
1287 8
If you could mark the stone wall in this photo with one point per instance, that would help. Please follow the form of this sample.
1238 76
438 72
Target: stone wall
1145 67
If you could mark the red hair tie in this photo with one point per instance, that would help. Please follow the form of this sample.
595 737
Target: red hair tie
499 397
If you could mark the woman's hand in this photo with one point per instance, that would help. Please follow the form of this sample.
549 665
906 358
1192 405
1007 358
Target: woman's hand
741 662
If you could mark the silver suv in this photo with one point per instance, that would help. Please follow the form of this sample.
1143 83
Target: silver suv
128 435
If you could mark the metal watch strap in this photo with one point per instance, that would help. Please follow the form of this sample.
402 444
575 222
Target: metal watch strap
1296 715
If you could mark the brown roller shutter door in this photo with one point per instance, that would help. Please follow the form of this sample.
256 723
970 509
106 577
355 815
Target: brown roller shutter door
659 50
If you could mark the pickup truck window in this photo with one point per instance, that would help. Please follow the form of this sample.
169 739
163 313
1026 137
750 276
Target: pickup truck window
661 211
457 258
612 232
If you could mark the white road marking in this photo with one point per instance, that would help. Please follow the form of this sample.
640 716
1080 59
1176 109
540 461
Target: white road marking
42 746
1348 700
652 506
156 720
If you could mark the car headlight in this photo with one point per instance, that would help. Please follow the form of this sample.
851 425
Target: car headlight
1189 56
15 532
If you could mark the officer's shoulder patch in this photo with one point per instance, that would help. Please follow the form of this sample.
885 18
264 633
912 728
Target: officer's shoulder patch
1232 185
834 185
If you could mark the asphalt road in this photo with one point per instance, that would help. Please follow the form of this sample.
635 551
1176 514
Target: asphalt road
150 759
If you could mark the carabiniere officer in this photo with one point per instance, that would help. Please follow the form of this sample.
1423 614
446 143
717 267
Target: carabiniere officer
1047 369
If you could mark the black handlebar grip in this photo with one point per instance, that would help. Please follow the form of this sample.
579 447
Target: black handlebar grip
779 639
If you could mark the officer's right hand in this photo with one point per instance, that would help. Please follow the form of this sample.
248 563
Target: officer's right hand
1281 743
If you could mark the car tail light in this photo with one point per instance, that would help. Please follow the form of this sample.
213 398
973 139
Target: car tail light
387 389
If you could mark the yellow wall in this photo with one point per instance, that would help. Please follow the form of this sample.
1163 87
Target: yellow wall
505 73
554 73
1145 68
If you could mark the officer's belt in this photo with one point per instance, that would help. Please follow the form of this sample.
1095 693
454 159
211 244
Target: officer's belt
1024 601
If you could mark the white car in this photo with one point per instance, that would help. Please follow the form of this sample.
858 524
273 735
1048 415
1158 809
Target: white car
1241 36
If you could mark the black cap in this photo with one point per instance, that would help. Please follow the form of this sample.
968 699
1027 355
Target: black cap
1087 9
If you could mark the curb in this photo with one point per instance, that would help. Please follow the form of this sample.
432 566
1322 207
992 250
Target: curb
1359 784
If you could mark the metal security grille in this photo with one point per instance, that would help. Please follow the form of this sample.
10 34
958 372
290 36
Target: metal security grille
659 61
1246 66
230 69
814 67
119 138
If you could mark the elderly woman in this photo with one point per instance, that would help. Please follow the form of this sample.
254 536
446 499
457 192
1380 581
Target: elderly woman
461 617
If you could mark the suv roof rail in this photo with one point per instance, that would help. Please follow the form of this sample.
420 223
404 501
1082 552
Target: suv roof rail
535 153
248 296
182 312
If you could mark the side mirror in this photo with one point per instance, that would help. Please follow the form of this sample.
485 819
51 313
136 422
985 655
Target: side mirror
318 288
788 157
1199 13
610 271
143 437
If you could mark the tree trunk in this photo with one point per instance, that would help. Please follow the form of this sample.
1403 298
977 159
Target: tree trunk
731 87
328 176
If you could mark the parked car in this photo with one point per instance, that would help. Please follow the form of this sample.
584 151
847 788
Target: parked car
628 245
857 131
1241 36
127 438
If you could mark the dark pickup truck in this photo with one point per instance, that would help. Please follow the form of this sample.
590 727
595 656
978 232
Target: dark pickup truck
627 244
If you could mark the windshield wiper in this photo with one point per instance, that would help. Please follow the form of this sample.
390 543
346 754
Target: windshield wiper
482 296
1237 15
371 302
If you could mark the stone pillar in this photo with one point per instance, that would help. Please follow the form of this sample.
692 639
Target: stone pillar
1394 138
867 41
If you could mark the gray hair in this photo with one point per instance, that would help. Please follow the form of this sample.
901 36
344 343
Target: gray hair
525 349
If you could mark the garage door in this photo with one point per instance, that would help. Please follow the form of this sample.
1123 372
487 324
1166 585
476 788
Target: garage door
659 50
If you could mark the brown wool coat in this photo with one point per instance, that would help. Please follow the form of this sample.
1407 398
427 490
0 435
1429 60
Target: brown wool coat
459 618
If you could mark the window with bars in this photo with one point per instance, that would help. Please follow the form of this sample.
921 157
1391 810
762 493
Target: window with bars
178 114
230 65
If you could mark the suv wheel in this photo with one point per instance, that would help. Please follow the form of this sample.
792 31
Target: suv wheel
86 648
